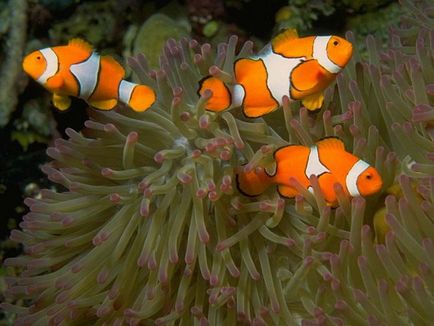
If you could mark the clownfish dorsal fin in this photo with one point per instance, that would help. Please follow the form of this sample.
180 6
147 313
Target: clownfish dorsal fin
82 44
331 143
284 36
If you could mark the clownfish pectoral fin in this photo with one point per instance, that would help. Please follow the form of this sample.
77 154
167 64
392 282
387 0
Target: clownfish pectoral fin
314 101
306 75
142 98
287 191
252 183
331 143
221 98
104 105
258 111
326 184
55 82
62 103
82 44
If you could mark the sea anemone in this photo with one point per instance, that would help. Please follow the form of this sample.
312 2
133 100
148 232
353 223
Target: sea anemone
151 228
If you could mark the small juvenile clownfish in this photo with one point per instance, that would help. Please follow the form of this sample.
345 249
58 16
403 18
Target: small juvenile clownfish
77 70
300 68
327 160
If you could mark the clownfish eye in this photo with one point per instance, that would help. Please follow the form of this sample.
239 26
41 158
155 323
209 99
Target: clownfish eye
38 57
369 176
335 43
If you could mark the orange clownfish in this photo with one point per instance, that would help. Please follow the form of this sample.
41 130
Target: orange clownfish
327 160
300 68
77 70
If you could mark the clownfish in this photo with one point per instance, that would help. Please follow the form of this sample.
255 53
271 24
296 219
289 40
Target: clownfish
77 70
300 68
327 160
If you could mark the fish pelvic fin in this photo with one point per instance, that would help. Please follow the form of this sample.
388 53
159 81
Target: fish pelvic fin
252 183
138 97
221 98
61 102
313 102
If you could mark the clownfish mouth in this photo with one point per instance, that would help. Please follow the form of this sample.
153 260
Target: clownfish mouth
374 187
378 185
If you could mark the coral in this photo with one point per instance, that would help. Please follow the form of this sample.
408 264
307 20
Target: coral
35 125
203 15
365 15
300 14
151 228
94 21
376 23
13 50
365 5
58 5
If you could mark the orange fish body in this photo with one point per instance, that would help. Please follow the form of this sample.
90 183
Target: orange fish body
300 68
76 70
327 160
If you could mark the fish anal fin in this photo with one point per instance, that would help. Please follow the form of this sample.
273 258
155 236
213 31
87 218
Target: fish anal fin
104 105
306 76
326 184
331 143
314 101
221 96
257 111
55 82
61 102
287 191
80 43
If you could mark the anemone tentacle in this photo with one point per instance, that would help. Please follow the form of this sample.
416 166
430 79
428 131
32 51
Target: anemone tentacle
151 227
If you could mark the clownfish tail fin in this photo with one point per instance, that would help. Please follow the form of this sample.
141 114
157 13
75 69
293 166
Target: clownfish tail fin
221 98
252 183
138 97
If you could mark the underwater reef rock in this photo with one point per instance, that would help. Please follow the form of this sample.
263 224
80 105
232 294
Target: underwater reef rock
151 229
13 47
